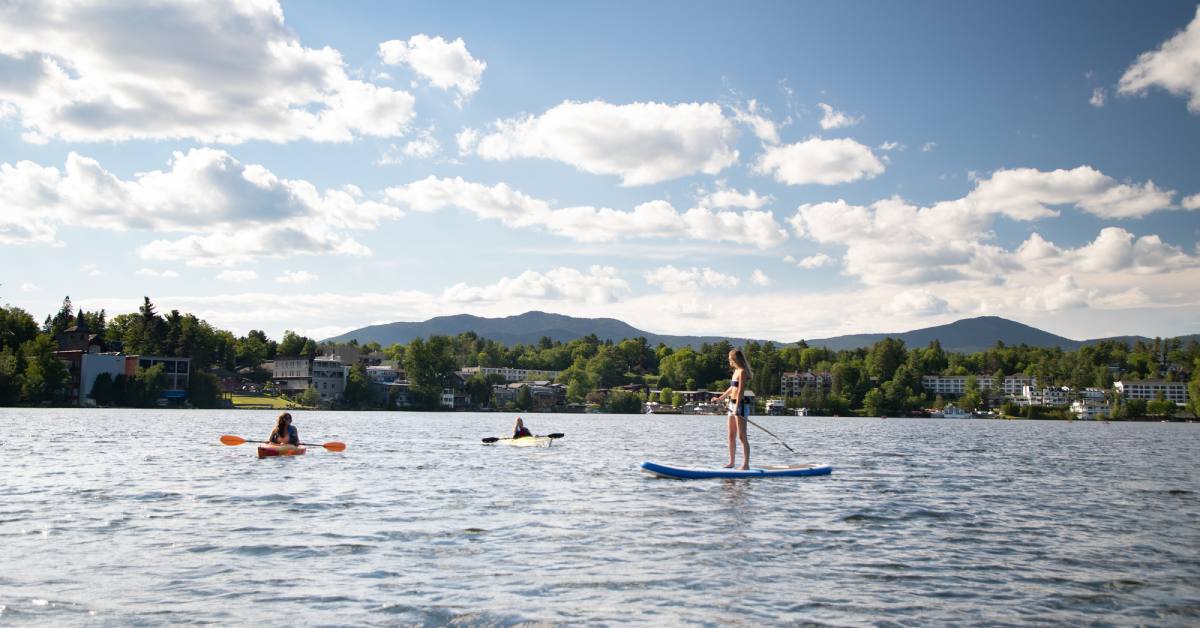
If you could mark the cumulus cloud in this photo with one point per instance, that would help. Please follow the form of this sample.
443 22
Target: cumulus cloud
819 161
445 64
91 270
671 279
889 146
918 302
234 211
820 260
161 274
423 146
1191 202
1098 97
601 284
29 287
724 196
296 277
928 146
642 143
759 278
237 276
834 119
1174 66
653 219
220 71
763 127
952 240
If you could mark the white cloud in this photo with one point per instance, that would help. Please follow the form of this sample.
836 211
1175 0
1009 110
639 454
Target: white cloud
728 197
889 146
672 279
820 260
601 284
763 127
834 119
1174 66
918 302
790 259
235 211
928 146
1027 193
220 71
161 274
29 287
1098 97
1061 294
759 278
424 146
653 219
642 143
296 277
91 270
1191 202
824 162
445 64
237 276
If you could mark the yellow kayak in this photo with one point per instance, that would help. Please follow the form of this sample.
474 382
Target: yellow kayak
527 441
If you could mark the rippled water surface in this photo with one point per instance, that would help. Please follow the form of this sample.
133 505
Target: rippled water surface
127 517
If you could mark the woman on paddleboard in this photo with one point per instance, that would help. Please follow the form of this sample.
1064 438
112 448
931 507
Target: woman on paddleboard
735 398
519 429
285 433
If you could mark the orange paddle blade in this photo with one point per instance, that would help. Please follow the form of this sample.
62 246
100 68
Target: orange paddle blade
232 440
335 446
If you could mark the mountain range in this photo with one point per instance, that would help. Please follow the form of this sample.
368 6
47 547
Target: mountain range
964 336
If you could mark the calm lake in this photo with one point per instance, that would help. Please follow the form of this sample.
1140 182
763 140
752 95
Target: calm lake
140 517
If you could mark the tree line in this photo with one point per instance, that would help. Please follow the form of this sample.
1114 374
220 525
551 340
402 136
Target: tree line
882 379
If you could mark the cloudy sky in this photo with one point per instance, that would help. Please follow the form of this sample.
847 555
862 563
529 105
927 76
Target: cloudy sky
778 170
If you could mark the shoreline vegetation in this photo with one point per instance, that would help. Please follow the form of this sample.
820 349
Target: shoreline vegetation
884 379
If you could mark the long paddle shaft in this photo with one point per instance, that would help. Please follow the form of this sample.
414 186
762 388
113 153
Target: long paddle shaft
769 432
492 439
238 440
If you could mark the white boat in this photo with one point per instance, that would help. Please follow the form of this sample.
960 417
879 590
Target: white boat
952 412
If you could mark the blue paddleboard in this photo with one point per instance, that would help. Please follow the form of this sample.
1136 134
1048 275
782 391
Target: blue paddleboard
685 473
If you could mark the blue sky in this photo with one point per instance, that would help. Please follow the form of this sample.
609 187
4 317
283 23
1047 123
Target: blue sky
782 171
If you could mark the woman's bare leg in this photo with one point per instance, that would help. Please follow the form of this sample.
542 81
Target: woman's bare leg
741 429
732 440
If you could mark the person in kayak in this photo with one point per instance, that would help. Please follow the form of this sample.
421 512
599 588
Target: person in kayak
735 398
285 433
519 429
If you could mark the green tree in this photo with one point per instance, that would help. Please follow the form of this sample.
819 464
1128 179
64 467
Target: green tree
667 395
357 393
61 320
479 390
430 365
16 328
310 398
885 357
10 383
204 390
45 377
524 401
102 390
621 402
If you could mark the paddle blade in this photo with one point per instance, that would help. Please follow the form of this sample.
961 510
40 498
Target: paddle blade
555 435
232 440
490 439
335 446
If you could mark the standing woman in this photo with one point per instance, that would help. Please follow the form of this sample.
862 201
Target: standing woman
285 433
736 400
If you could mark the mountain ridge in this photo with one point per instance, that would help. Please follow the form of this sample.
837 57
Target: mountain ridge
966 335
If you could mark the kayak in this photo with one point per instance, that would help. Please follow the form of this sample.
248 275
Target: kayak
686 473
527 441
268 451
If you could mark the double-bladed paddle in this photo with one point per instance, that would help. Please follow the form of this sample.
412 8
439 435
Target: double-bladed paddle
492 439
238 440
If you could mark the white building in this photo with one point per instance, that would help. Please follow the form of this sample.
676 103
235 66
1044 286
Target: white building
1150 389
384 374
1088 409
1057 396
957 384
511 375
93 364
794 383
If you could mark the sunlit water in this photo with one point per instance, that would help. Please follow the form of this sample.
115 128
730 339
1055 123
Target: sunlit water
126 517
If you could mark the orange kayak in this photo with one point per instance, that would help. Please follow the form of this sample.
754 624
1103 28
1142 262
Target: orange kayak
267 451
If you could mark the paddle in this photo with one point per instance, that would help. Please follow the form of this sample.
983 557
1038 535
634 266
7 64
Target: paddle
492 439
238 440
769 432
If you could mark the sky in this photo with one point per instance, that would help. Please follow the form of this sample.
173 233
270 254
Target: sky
775 170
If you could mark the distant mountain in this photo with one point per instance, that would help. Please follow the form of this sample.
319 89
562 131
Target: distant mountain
965 336
527 328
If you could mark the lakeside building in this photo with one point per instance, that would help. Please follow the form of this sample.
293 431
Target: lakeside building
956 385
794 383
544 395
509 374
385 373
1056 396
1150 389
1089 409
324 374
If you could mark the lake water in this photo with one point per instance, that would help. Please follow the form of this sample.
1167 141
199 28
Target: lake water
140 517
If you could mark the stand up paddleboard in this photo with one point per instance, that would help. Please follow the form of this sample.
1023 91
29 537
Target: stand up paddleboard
685 473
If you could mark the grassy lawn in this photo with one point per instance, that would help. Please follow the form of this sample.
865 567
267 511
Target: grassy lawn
256 400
